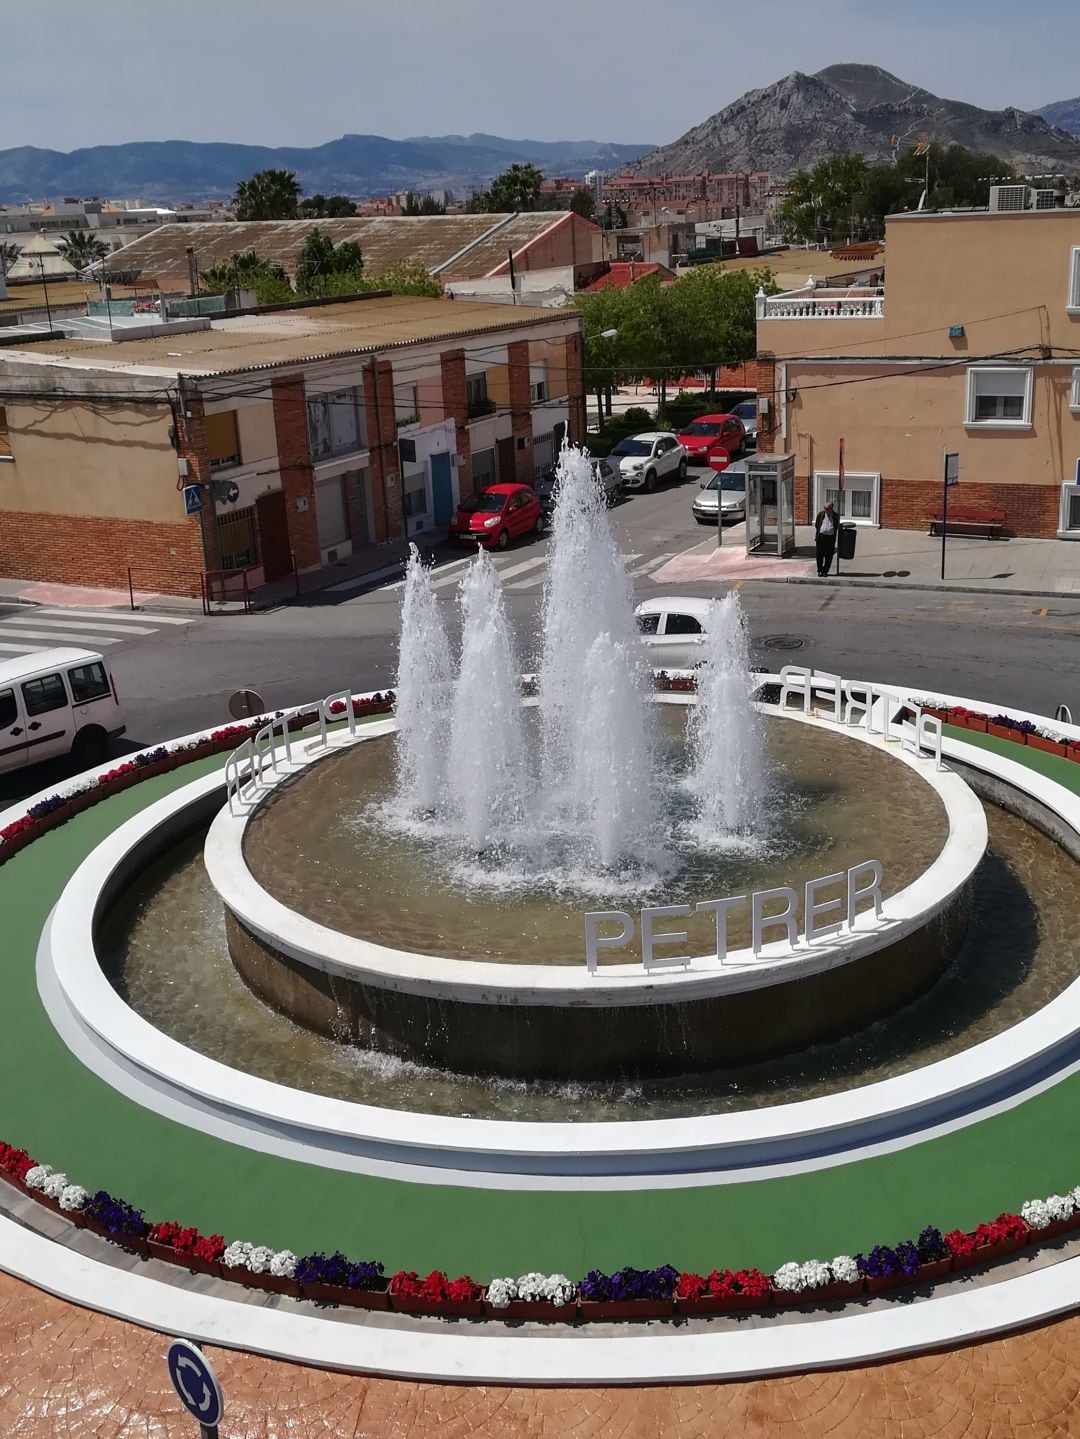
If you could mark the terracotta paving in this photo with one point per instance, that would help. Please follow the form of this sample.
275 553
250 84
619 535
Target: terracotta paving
67 1373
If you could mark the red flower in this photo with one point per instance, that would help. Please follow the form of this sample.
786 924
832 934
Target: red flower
164 1232
690 1286
433 1288
208 1246
15 1162
405 1284
960 1243
750 1281
1005 1226
462 1289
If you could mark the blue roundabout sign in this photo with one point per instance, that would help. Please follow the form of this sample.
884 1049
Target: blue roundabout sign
195 1382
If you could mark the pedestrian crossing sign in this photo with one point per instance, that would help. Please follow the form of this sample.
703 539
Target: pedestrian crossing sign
192 499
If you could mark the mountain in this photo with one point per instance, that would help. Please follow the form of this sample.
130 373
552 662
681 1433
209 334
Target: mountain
359 165
1065 114
801 119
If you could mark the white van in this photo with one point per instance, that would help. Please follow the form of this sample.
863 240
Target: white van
57 702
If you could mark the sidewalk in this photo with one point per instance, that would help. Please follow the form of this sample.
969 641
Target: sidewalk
891 559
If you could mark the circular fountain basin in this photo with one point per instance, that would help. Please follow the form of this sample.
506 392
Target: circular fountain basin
558 1020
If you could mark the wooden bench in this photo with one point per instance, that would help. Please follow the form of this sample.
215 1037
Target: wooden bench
963 518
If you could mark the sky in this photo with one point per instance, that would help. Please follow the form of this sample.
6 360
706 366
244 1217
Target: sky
635 71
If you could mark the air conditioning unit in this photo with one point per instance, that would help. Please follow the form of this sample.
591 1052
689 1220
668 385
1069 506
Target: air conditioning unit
1046 199
1008 199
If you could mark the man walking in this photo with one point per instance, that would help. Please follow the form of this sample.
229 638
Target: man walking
825 526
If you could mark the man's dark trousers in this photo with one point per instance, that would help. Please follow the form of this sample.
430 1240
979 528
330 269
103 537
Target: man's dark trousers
826 547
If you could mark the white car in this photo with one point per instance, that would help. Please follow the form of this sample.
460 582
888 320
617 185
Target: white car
722 495
55 702
747 411
673 631
645 460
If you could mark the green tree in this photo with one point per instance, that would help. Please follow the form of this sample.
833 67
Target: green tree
321 263
80 248
407 277
821 201
583 202
426 206
268 195
247 271
326 207
9 253
515 189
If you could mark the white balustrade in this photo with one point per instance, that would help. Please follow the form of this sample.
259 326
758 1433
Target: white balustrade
821 305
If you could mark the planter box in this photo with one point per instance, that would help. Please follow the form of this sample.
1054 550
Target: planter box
612 1309
1000 731
272 1283
972 722
1048 746
137 1246
148 771
724 1304
988 1253
40 1197
341 1294
935 713
882 1284
168 1255
825 1294
466 1309
83 801
540 1309
933 1270
1055 1228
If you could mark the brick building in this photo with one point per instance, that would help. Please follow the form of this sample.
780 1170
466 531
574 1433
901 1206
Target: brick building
972 346
295 433
745 189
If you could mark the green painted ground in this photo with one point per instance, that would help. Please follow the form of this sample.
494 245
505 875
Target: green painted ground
67 1117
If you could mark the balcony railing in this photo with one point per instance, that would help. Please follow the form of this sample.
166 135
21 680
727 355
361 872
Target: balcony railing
822 305
478 408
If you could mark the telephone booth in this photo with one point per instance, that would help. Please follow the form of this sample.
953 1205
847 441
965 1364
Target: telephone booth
770 505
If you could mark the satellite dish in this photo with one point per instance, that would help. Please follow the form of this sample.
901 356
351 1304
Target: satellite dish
245 703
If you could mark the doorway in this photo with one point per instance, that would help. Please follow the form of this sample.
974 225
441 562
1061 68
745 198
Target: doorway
273 516
442 489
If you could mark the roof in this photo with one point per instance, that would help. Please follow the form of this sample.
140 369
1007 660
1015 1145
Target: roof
42 660
292 336
681 604
791 267
713 419
454 246
62 294
621 273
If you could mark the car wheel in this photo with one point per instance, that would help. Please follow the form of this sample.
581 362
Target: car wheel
682 471
700 520
503 540
90 747
540 526
650 482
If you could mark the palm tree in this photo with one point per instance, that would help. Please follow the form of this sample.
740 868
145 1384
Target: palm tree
80 249
269 195
9 253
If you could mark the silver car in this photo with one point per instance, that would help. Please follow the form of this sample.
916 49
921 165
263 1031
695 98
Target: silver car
723 495
747 411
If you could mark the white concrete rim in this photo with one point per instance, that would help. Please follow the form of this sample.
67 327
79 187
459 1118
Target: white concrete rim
641 1153
481 982
489 1354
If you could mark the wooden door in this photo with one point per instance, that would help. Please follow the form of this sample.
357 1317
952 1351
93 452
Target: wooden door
274 548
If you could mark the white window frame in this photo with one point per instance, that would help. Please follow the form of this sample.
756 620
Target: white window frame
1074 395
1073 303
828 479
1068 490
1024 423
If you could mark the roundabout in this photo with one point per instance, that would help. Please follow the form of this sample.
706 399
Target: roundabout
214 1114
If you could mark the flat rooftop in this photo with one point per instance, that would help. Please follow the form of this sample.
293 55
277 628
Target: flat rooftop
283 337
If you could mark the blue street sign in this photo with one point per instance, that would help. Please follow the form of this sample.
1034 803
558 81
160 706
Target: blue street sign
192 499
195 1382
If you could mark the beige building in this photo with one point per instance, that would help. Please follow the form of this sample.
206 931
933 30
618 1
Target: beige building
972 347
279 439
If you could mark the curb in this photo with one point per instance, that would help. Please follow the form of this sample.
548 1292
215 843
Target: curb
940 588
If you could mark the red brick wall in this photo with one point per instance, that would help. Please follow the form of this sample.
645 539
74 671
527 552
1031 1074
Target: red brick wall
1031 510
297 475
96 551
456 407
520 410
386 498
192 447
575 387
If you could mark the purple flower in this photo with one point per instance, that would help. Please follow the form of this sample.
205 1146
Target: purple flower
46 806
596 1285
337 1269
907 1254
880 1263
120 1220
931 1245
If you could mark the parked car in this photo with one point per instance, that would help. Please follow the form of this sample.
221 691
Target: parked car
708 434
644 460
55 702
673 630
497 515
747 411
723 495
610 478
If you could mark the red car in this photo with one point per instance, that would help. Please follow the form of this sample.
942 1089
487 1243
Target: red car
712 437
498 515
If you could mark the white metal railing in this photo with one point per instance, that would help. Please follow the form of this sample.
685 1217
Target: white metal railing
245 767
821 305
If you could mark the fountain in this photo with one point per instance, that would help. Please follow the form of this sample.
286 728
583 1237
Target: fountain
727 777
423 687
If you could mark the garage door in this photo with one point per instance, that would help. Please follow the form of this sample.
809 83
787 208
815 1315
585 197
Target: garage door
330 512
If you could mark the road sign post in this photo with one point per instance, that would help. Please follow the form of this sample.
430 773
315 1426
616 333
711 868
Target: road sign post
951 477
197 1385
192 499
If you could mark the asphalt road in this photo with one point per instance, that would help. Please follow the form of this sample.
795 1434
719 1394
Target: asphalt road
1006 649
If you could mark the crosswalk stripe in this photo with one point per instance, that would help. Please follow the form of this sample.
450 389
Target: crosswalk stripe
61 625
521 568
139 617
18 632
19 649
654 563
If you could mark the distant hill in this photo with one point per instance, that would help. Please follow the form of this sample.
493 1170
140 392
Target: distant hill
358 165
1065 114
801 119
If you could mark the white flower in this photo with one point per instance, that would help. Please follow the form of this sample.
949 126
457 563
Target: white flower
844 1269
1035 1213
790 1277
55 1184
236 1254
1061 1206
259 1257
500 1292
283 1264
815 1274
36 1177
1074 1195
73 1197
558 1289
531 1287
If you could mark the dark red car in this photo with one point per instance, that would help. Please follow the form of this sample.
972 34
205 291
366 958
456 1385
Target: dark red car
712 437
498 515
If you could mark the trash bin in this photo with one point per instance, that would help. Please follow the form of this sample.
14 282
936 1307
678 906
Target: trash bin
845 542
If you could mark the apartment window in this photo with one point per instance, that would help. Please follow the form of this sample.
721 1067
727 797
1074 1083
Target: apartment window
406 406
1069 512
1074 281
5 436
476 396
999 396
1074 397
538 384
415 495
222 439
336 423
860 502
483 470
